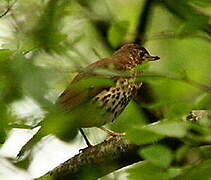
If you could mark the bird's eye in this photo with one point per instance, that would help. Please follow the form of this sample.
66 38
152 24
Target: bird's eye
141 53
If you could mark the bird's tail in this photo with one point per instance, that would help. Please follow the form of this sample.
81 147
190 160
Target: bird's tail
33 141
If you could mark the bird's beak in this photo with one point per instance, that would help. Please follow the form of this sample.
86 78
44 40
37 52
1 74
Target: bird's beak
151 58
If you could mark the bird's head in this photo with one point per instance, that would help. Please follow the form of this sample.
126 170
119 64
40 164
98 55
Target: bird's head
131 55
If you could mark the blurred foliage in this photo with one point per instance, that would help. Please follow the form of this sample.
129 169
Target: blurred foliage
43 44
148 171
158 155
117 32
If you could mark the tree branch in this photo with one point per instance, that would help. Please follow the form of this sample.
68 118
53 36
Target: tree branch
143 22
109 156
100 160
9 7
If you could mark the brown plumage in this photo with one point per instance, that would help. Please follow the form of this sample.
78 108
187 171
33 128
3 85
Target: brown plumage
95 105
110 99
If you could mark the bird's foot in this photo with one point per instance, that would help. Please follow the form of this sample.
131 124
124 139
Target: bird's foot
114 135
111 133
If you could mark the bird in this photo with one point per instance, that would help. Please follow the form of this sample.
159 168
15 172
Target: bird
97 105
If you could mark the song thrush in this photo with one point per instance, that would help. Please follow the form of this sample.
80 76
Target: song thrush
106 102
109 102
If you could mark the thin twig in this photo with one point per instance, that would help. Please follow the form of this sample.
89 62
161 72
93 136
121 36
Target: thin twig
169 35
9 7
96 53
182 79
112 73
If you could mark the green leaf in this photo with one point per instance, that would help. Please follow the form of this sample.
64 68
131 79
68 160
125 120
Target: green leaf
201 171
4 54
46 33
117 32
3 122
194 20
203 101
203 3
156 131
106 72
206 150
158 155
178 110
2 135
132 110
148 171
171 129
142 136
143 66
91 82
181 152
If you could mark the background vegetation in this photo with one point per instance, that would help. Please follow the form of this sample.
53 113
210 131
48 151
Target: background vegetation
44 43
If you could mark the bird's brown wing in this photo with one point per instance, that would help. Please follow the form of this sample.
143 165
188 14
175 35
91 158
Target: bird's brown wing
72 97
75 95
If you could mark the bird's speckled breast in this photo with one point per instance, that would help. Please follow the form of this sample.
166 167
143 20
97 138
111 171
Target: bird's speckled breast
115 99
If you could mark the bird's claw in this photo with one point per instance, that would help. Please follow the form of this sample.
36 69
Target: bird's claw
114 134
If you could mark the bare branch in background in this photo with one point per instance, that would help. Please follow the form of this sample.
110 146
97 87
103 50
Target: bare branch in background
170 34
9 7
143 22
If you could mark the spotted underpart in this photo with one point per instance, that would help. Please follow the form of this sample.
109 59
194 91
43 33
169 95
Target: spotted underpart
115 99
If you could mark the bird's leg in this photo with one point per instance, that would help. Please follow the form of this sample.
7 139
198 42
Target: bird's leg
85 138
111 133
